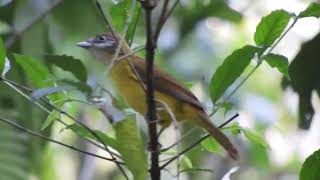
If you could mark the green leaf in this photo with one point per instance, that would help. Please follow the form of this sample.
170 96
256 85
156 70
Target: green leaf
310 167
271 27
227 106
36 72
52 116
313 10
131 148
211 145
186 161
255 138
50 119
119 14
107 140
232 67
2 56
70 64
135 11
280 62
235 128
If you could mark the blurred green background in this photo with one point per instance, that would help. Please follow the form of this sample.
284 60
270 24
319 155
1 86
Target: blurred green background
195 40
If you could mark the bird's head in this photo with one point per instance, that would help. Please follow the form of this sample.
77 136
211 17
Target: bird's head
102 46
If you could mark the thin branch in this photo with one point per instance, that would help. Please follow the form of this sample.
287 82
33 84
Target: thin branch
17 34
196 143
69 116
105 19
162 19
11 123
94 134
12 84
172 9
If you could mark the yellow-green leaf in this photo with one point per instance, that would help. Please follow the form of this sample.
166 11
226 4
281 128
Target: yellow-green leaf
131 148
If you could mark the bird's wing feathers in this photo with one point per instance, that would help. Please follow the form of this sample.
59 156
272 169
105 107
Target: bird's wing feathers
167 84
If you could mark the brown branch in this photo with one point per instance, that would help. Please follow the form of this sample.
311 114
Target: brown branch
151 117
196 143
17 34
11 123
162 19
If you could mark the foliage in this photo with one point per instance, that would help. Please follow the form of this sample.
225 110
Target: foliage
310 168
55 34
232 67
271 27
132 153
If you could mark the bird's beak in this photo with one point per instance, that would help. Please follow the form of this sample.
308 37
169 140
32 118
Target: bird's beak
84 44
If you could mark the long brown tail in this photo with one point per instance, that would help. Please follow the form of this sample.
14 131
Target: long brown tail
219 136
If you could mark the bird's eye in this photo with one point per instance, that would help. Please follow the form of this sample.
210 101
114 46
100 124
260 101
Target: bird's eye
101 38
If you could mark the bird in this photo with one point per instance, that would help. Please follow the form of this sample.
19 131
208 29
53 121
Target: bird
129 75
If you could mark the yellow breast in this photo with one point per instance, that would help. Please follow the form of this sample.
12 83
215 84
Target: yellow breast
131 89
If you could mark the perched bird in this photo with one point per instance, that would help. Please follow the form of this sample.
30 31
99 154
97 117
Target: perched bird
181 101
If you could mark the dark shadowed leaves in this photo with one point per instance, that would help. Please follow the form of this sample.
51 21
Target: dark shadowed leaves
70 64
232 67
271 27
313 10
304 78
310 168
280 62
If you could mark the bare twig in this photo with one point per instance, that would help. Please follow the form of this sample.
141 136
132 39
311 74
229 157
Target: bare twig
11 123
17 34
196 143
162 19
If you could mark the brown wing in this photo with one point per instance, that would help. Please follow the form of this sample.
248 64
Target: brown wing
166 84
